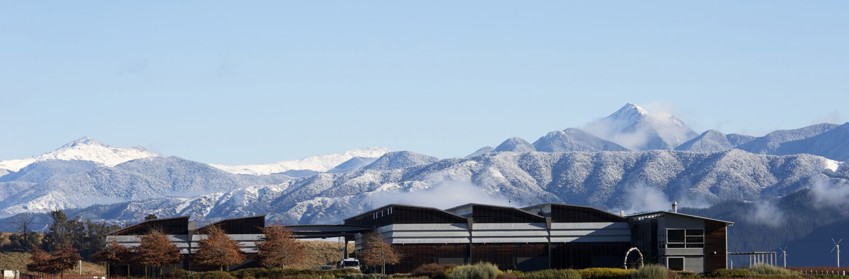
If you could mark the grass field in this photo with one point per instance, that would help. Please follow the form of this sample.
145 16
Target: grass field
19 261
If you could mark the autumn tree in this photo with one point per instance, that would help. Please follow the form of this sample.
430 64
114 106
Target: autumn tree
279 248
377 252
39 261
157 251
218 250
63 258
114 253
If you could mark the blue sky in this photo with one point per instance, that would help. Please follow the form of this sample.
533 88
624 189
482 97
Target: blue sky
255 81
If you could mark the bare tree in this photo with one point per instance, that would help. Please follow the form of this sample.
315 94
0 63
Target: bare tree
279 248
157 251
218 250
377 252
23 224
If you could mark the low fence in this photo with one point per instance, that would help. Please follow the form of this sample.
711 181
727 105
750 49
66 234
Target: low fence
61 276
822 271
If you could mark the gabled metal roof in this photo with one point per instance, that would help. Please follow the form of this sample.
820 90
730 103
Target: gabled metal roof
661 213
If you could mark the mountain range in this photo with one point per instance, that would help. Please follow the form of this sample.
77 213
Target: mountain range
631 161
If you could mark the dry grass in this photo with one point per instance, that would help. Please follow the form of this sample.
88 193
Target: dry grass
319 253
19 261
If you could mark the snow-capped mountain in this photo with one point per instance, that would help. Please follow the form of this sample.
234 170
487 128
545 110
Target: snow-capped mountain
828 140
636 129
714 141
320 163
84 149
571 165
574 140
515 144
51 185
610 180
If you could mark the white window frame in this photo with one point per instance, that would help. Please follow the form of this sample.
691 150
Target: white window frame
685 239
683 263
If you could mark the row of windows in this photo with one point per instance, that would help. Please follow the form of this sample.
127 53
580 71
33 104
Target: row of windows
685 238
380 213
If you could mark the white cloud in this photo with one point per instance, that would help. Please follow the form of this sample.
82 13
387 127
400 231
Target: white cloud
766 213
643 198
831 193
443 194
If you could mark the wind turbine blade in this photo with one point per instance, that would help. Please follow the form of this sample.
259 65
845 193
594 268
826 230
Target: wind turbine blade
832 249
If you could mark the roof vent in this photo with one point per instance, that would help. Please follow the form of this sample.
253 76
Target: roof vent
675 207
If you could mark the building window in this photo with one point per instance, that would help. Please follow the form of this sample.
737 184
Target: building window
681 238
676 264
695 238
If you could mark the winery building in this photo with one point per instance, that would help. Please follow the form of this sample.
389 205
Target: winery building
531 238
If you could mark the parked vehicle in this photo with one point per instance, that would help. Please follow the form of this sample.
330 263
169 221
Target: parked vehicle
350 263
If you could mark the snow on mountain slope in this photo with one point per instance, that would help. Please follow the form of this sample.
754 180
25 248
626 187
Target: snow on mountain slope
319 163
601 179
574 140
713 141
84 149
515 144
637 129
775 140
831 143
140 179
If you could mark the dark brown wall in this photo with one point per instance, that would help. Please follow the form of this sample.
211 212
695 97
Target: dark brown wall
715 250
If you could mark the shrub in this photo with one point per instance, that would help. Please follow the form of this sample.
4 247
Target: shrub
731 273
291 273
764 270
363 276
476 271
213 275
176 274
605 273
652 271
432 270
552 273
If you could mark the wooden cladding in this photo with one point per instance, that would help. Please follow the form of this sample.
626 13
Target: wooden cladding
715 245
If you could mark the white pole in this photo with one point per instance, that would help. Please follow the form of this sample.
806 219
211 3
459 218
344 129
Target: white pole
838 255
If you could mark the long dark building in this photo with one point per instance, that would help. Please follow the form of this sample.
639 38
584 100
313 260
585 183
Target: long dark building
530 238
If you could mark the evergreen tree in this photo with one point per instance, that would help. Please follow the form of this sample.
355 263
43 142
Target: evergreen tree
279 248
218 249
59 233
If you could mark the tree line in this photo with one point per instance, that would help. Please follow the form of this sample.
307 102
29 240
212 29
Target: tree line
69 240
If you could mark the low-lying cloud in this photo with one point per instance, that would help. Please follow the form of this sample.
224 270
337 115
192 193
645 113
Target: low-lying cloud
443 194
831 193
766 213
643 198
